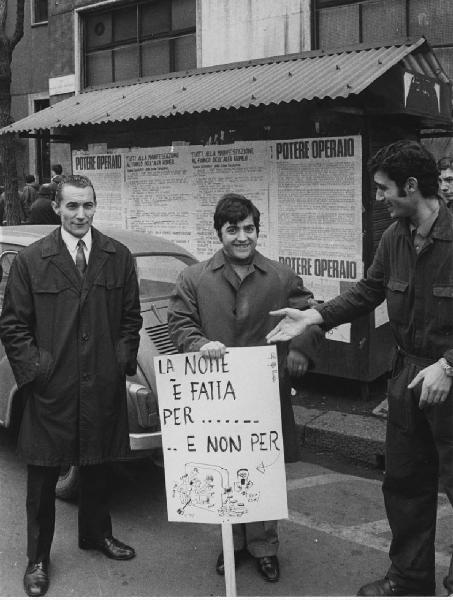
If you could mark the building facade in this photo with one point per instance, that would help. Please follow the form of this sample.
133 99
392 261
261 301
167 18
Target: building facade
72 46
170 103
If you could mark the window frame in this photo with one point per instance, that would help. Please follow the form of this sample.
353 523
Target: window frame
34 22
111 6
408 8
319 4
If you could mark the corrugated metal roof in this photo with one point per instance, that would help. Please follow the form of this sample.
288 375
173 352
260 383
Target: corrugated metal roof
273 81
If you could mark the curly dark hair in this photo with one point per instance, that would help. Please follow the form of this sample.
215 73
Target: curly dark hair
404 159
232 208
79 181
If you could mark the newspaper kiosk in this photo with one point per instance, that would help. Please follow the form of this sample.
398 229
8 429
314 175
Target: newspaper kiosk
294 133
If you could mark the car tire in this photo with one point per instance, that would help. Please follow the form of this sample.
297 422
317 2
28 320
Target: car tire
68 483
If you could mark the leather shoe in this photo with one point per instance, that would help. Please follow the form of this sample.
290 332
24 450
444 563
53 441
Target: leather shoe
36 578
239 557
111 547
387 587
269 568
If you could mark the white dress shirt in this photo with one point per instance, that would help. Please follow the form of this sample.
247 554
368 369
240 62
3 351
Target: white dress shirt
71 243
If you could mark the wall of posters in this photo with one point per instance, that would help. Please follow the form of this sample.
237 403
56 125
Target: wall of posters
309 193
161 198
106 172
223 454
316 209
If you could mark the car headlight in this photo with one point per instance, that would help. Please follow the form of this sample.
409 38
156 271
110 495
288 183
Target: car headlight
145 404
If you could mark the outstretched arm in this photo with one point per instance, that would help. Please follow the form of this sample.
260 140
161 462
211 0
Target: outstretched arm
294 323
359 300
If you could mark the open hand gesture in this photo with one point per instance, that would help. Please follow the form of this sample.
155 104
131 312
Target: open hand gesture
294 323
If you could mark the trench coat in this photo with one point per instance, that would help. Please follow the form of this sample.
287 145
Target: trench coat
70 342
210 303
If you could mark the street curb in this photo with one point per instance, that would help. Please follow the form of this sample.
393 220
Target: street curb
356 437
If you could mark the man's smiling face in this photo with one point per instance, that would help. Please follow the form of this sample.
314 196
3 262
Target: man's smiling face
239 239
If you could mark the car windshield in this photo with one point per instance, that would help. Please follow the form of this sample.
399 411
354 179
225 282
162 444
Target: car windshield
157 274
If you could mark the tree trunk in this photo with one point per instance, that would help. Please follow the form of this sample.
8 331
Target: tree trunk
13 209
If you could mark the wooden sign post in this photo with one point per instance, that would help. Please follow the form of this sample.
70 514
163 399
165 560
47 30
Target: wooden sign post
228 559
222 440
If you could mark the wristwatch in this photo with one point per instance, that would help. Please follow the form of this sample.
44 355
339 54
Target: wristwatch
446 366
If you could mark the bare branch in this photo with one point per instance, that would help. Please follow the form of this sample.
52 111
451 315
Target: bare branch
19 31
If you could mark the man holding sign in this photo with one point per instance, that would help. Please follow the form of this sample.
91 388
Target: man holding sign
225 302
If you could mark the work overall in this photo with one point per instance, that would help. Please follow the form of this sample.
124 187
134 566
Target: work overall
419 452
417 283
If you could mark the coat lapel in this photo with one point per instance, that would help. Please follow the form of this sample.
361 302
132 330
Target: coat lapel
219 262
56 250
100 250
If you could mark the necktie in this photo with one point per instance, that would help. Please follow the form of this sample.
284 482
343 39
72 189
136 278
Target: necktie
80 261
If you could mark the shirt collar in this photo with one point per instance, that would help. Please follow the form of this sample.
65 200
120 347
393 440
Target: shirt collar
424 228
442 228
71 241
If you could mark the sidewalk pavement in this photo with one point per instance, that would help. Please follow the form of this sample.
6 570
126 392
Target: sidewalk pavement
353 436
332 415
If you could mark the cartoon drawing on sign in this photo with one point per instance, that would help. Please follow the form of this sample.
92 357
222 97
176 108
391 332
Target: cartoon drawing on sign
243 483
207 487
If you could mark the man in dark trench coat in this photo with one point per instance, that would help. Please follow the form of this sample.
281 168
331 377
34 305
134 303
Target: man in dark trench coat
70 326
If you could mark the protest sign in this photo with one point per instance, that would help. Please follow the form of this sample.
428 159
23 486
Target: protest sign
222 436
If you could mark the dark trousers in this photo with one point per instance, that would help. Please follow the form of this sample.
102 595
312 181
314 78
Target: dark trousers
419 452
93 517
259 538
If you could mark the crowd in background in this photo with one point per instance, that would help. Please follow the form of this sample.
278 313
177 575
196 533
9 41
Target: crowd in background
36 200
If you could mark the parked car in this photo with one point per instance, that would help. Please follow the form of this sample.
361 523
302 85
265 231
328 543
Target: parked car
158 262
